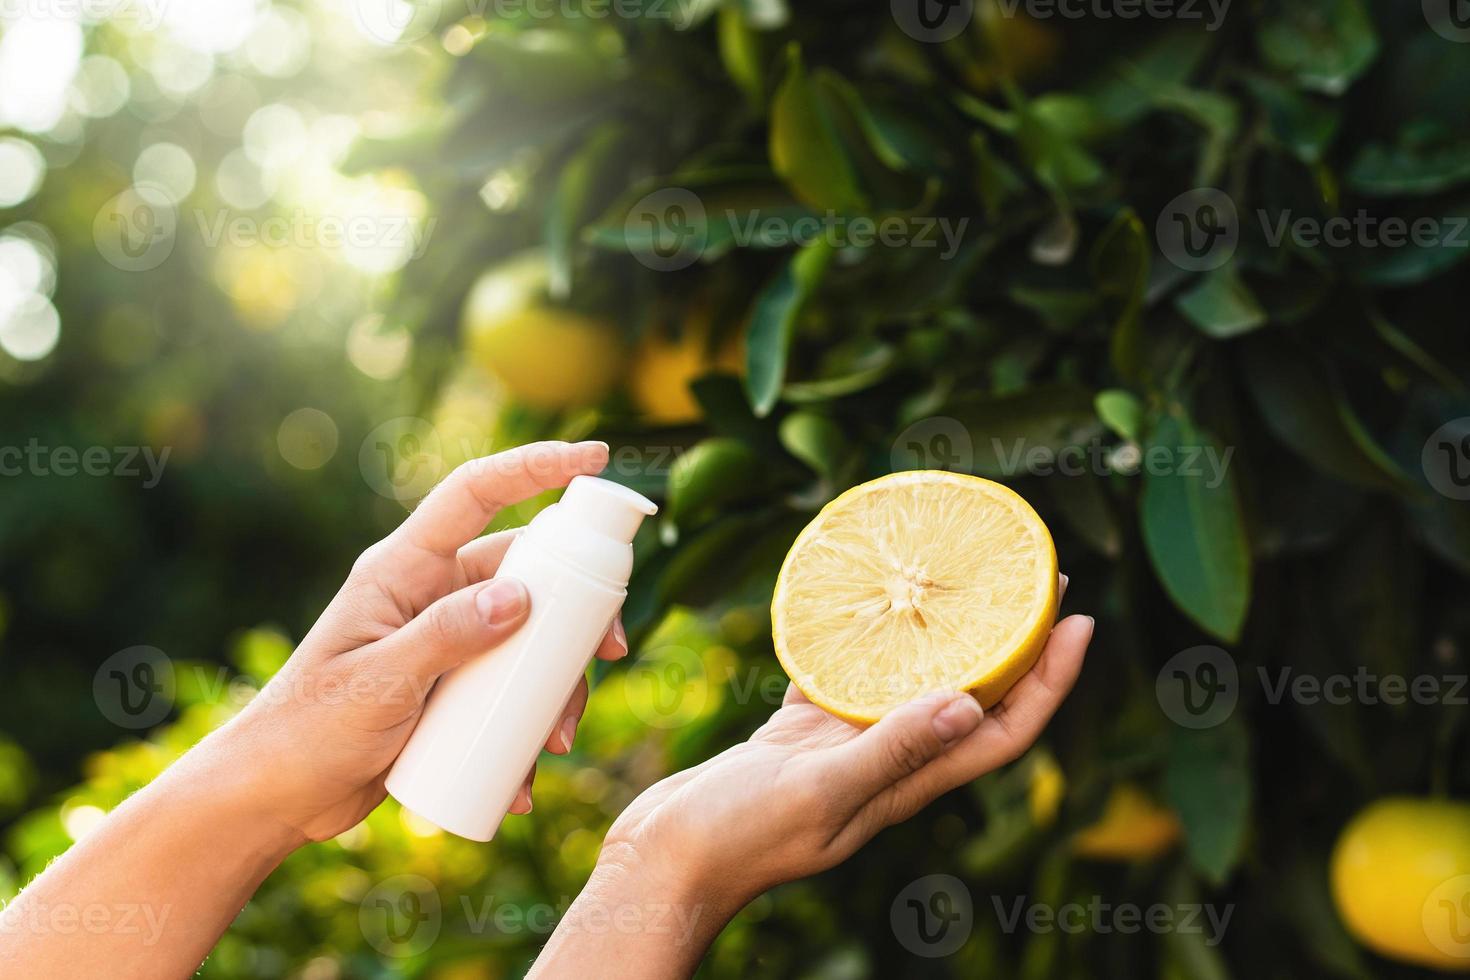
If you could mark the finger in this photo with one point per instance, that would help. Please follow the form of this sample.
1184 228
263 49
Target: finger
794 695
457 510
1011 726
481 558
903 742
614 645
523 802
458 626
566 731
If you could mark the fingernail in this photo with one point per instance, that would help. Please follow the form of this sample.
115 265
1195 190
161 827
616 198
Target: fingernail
601 447
1091 625
1065 580
503 599
569 731
958 719
620 635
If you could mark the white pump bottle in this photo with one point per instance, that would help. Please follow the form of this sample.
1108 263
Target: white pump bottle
486 721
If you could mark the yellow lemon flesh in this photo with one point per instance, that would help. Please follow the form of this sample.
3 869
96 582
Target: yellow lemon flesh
911 584
1401 881
546 357
1132 828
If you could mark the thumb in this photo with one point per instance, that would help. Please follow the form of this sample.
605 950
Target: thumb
458 626
906 740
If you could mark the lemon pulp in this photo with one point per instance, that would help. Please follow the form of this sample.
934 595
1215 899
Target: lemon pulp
915 583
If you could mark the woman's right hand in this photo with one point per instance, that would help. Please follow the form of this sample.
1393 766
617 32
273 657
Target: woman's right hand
800 796
808 789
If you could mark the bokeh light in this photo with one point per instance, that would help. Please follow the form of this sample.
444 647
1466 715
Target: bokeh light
307 438
22 169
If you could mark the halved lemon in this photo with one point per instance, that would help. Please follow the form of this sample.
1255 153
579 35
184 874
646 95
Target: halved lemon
911 584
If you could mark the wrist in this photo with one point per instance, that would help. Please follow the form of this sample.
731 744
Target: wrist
221 788
673 901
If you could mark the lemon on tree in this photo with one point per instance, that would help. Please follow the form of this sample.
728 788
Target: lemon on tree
1401 881
546 356
664 367
1132 828
911 584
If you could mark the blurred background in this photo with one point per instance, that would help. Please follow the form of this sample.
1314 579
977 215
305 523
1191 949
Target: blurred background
1188 276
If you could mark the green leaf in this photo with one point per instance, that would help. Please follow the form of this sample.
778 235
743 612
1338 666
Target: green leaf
1222 305
1393 171
1085 505
773 323
1304 901
565 212
1301 122
1193 529
1305 408
1421 256
1056 153
995 180
1120 411
896 140
866 368
806 149
1325 44
1207 780
1410 350
740 52
1193 954
814 439
1125 90
1120 266
1011 433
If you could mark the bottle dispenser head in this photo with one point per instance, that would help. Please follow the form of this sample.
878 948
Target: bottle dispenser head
608 508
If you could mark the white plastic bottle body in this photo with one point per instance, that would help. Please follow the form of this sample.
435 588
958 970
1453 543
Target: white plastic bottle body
487 720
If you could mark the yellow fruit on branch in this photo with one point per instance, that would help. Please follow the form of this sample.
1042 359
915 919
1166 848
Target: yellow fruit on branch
663 369
1132 828
1046 790
546 356
1401 881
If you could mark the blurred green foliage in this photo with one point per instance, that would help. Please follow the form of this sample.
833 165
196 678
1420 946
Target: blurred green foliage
1057 322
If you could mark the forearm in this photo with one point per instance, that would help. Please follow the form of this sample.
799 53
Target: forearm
149 891
632 922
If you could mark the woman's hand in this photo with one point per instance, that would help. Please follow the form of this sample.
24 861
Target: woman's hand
306 760
801 795
316 743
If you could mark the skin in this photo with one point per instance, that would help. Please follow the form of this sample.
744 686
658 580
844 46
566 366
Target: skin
306 760
801 796
185 853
